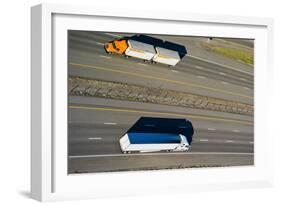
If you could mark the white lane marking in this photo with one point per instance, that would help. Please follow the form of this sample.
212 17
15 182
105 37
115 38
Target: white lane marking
142 64
236 130
174 71
107 57
201 77
115 35
199 67
203 140
229 141
251 142
225 83
154 154
94 138
223 65
221 73
211 129
99 43
110 123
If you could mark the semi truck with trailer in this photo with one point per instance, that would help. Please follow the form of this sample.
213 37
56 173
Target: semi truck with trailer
150 134
131 48
147 52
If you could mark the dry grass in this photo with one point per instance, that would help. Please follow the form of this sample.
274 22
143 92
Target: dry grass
243 55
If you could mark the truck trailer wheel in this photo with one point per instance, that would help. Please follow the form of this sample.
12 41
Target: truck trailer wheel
127 152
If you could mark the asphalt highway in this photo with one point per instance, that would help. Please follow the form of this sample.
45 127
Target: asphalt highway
87 58
96 124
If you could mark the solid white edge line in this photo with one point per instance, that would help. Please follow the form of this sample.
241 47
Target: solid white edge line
153 154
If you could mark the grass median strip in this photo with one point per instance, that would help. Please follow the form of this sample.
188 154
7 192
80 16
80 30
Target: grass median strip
160 78
243 55
160 114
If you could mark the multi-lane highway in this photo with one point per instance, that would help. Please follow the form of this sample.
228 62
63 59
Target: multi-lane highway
96 124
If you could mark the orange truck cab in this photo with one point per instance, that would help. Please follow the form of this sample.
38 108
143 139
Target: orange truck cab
116 47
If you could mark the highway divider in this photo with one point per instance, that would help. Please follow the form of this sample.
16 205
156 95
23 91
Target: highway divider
121 91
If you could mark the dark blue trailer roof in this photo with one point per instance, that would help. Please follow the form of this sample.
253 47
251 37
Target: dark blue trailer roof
153 129
154 138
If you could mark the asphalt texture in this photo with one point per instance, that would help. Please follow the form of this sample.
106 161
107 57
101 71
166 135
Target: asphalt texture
95 125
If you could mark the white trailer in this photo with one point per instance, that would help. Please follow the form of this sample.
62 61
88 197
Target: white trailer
151 142
166 56
140 50
151 134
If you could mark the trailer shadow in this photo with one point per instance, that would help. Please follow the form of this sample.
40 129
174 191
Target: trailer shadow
159 43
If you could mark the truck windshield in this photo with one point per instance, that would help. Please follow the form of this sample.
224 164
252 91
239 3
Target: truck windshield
183 139
114 45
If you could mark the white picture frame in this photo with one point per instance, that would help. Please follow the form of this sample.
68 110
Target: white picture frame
49 179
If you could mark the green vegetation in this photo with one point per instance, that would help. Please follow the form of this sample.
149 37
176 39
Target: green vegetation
242 55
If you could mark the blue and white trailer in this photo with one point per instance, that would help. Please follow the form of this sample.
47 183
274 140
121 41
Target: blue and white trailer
151 134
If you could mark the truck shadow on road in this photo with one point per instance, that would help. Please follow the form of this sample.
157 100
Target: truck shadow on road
159 43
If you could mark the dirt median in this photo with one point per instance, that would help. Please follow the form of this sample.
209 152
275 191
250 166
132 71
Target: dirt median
121 91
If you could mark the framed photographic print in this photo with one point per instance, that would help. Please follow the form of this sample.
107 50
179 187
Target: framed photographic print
139 103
